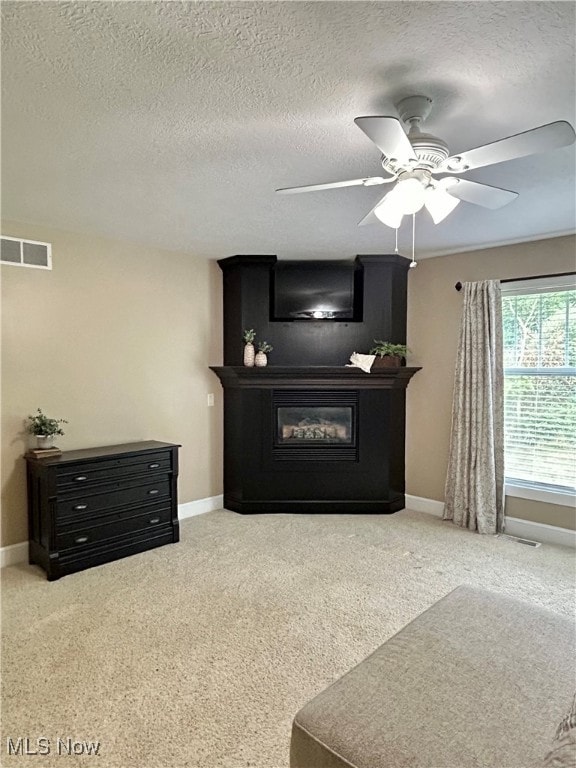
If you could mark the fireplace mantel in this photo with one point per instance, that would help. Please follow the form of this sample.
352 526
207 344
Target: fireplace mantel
265 473
270 376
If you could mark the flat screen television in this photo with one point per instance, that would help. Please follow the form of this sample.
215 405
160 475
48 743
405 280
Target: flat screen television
316 290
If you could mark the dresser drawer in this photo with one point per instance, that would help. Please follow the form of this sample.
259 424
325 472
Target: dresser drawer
109 528
79 558
90 503
79 475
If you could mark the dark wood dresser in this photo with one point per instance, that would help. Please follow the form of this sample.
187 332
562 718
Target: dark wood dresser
92 506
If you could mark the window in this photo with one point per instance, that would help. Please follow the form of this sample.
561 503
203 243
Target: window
539 324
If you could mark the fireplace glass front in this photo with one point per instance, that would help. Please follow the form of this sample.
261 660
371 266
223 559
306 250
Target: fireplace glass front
314 425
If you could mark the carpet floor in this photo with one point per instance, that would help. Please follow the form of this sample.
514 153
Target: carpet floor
198 654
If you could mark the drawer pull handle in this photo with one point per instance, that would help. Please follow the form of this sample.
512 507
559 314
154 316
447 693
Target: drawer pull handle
154 520
153 492
81 506
81 477
81 540
153 466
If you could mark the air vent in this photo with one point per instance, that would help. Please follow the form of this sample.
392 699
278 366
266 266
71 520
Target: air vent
518 540
25 253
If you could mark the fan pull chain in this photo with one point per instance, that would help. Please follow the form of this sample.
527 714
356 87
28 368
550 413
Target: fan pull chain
413 263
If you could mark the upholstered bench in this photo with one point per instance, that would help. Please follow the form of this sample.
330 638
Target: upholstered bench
477 681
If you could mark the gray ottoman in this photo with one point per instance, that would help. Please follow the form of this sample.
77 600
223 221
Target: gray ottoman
477 681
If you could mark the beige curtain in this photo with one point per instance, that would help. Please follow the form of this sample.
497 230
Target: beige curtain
474 490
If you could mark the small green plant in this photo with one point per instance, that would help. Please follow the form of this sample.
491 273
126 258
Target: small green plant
42 425
263 346
383 348
249 336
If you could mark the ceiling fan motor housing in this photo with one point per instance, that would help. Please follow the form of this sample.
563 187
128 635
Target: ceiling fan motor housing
430 152
414 109
420 174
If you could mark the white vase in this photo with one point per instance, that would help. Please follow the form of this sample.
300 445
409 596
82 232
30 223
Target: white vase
45 441
260 360
249 355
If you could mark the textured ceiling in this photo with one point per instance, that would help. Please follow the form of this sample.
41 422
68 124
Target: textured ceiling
171 123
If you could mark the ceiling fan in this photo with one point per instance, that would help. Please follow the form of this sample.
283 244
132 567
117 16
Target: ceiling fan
413 159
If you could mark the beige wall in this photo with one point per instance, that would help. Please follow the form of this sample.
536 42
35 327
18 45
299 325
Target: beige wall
117 339
434 309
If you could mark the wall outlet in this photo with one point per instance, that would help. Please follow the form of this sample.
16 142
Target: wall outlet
210 400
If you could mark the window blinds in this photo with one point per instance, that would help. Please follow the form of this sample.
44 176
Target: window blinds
539 324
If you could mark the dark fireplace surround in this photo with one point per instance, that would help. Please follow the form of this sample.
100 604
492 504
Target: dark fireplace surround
306 433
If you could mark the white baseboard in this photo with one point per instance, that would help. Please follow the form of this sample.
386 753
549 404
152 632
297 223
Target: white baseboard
14 554
547 534
420 504
200 506
18 553
524 529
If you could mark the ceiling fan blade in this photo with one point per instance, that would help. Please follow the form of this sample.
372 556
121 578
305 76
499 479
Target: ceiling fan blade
371 181
479 194
371 217
389 136
541 139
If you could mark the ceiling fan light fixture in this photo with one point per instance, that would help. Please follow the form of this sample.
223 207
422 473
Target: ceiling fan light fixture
408 195
439 203
388 212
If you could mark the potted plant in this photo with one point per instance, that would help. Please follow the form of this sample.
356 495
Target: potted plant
44 428
388 355
248 337
263 348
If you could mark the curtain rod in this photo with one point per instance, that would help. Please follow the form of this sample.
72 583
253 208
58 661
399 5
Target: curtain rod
458 285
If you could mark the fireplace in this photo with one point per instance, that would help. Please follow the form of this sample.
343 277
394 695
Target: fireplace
280 449
307 433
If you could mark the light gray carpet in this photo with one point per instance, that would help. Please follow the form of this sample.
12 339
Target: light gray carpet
198 654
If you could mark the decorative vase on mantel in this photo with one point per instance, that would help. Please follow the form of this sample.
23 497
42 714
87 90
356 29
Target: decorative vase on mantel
260 360
249 354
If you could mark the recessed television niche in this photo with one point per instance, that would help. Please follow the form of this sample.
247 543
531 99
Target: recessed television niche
317 291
